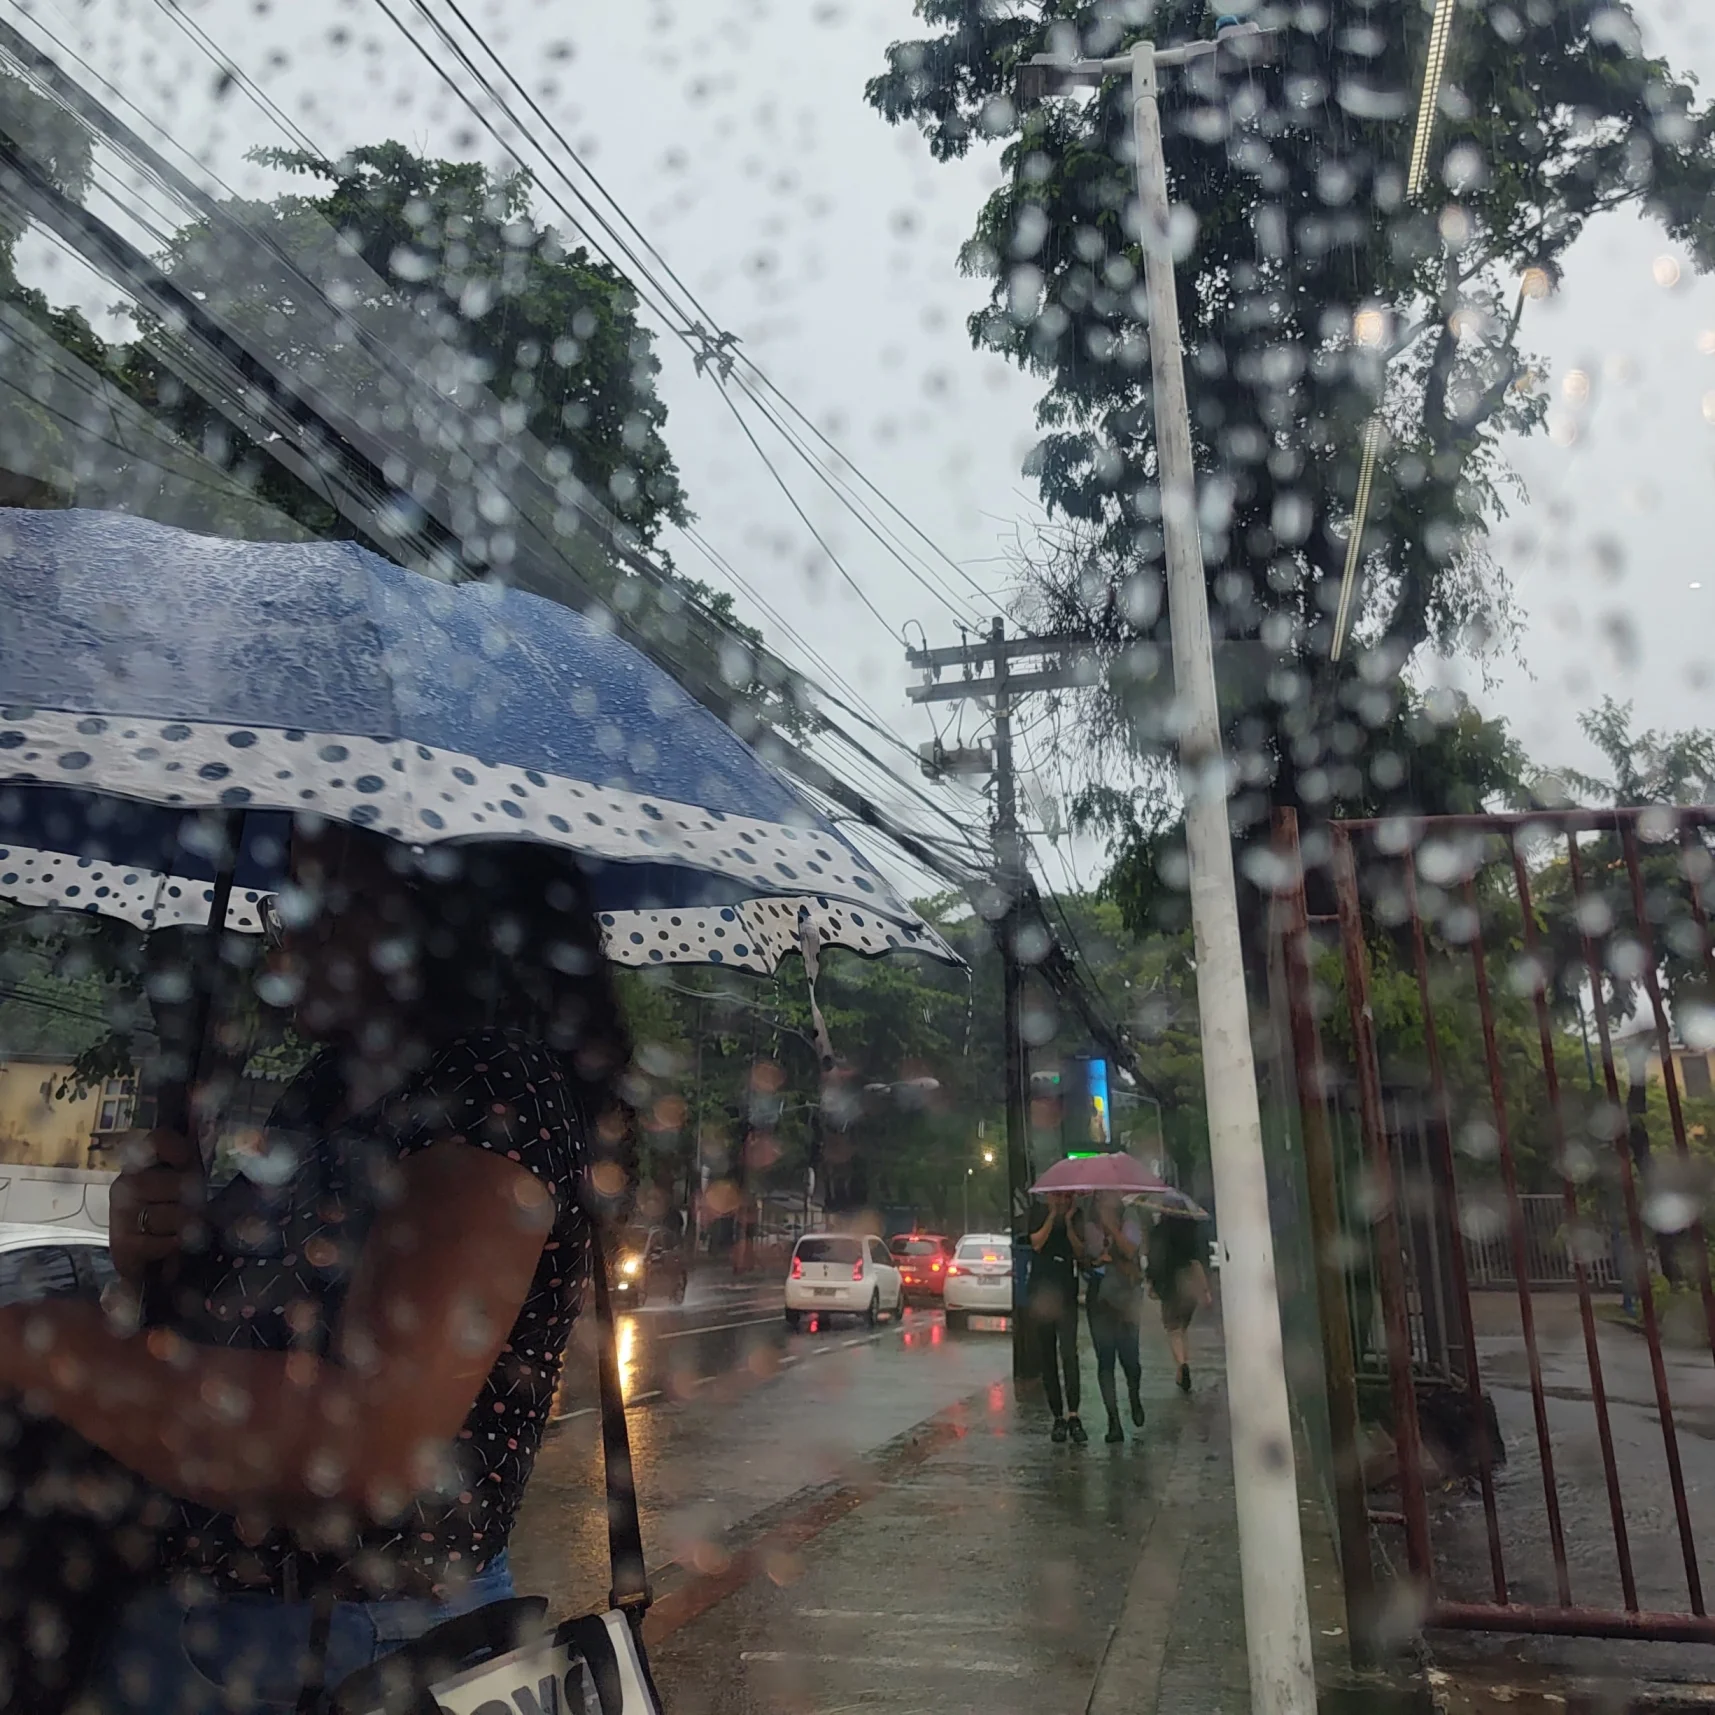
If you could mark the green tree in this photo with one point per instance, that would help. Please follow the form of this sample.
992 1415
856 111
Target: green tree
1317 298
1648 768
550 331
31 440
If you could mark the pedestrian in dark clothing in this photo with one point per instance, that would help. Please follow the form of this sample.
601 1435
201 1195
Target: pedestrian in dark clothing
1113 1243
1052 1306
1177 1277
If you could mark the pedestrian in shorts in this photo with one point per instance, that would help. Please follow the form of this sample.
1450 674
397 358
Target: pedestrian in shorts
1178 1278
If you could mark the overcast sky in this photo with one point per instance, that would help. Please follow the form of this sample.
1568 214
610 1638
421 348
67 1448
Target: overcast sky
735 134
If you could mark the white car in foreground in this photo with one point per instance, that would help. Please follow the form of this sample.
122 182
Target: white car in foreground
979 1282
39 1262
839 1274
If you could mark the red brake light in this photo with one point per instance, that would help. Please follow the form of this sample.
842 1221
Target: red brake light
952 1269
857 1269
797 1267
935 1266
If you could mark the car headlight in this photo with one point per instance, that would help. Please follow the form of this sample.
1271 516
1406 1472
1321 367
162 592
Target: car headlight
631 1265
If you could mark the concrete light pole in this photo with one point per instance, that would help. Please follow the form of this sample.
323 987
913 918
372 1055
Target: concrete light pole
1277 1618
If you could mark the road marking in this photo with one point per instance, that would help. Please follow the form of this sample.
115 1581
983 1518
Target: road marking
946 1622
897 1663
584 1410
703 1381
714 1328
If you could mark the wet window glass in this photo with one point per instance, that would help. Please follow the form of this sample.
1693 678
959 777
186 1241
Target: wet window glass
776 776
829 1250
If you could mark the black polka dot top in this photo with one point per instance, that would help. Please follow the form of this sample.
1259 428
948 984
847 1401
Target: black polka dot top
285 1237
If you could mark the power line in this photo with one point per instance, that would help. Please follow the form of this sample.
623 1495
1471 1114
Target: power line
464 59
858 708
804 517
860 513
229 68
696 338
718 339
666 314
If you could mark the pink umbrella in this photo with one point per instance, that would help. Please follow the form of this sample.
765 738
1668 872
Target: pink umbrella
1114 1172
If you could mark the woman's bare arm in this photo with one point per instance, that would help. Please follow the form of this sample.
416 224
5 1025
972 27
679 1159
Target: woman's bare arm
435 1292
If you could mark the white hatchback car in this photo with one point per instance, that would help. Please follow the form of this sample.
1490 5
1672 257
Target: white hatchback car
979 1280
840 1274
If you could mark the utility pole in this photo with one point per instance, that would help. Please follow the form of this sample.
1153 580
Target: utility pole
1067 668
1265 1487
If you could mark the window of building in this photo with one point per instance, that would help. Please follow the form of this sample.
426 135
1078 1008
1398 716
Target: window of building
118 1109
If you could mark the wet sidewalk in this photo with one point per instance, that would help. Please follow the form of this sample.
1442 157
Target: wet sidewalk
971 1564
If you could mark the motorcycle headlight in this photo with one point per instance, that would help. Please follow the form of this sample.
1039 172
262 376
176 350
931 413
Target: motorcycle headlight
630 1266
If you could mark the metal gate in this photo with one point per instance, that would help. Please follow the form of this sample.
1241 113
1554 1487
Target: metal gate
1460 1180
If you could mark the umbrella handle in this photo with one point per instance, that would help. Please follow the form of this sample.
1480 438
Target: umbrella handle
174 1108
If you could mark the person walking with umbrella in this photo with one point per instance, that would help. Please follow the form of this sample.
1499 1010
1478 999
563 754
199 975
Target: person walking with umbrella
1057 1252
1108 1246
1113 1247
1177 1275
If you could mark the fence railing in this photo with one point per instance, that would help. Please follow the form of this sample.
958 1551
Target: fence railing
1552 1250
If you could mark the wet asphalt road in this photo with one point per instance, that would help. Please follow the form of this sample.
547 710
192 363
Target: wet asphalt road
731 1416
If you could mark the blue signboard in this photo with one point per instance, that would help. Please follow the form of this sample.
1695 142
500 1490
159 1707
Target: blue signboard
1086 1118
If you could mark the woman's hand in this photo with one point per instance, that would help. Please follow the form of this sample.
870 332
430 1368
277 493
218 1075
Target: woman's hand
155 1203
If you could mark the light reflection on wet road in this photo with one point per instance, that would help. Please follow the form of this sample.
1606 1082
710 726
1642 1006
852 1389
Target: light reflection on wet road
731 1415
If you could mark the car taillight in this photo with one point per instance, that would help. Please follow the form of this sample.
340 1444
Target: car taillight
952 1269
935 1266
857 1269
797 1268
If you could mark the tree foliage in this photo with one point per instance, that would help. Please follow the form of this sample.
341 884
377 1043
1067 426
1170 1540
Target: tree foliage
550 332
1317 299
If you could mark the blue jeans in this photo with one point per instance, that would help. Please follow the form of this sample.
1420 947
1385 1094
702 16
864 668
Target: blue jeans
245 1655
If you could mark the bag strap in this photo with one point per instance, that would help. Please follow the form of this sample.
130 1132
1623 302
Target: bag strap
630 1591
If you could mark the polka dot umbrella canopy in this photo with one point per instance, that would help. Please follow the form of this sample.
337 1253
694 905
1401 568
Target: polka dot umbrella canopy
149 675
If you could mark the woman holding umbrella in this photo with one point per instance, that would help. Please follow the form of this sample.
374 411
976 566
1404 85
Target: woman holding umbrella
1107 1246
348 1353
1113 1247
364 1348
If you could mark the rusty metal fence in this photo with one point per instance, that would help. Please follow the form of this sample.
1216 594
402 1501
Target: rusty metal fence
1459 1188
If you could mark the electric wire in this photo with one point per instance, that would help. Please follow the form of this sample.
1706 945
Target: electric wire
229 68
857 708
804 518
206 378
716 339
824 475
302 139
493 130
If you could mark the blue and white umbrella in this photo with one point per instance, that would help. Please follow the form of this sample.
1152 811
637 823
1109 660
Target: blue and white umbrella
148 675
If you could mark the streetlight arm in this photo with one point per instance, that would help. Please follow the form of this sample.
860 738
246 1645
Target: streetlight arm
1046 74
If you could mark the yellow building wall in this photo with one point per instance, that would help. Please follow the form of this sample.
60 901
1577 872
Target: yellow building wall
38 1129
